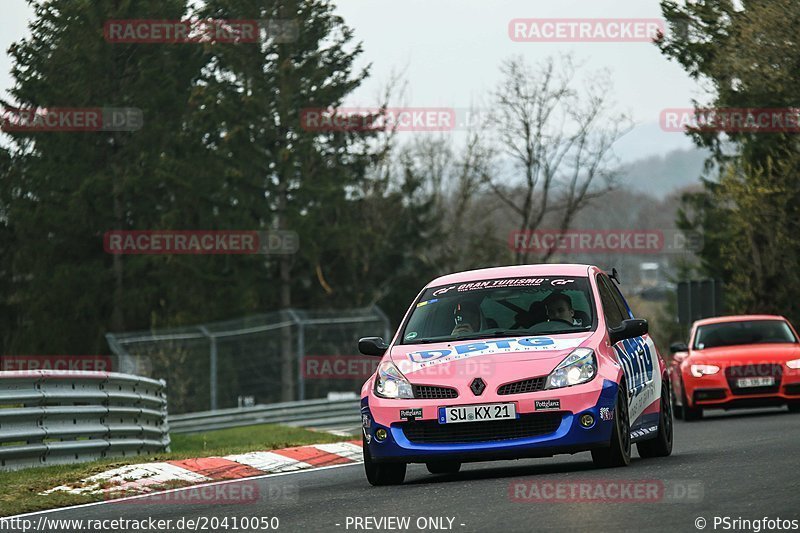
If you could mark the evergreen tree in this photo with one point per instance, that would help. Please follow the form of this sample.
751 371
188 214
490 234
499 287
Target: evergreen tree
750 55
66 189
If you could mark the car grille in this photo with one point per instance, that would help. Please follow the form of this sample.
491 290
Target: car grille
527 425
520 387
430 392
709 394
734 373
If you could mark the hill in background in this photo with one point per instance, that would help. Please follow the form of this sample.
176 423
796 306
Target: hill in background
661 175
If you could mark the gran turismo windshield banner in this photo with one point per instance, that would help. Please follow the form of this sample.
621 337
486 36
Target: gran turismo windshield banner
461 288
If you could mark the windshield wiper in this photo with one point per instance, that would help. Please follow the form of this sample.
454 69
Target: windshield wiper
524 333
489 334
472 337
503 333
560 331
427 341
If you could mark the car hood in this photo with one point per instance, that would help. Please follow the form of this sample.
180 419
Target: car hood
452 357
747 353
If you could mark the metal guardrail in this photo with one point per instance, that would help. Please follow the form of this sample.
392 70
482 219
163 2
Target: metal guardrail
318 414
51 417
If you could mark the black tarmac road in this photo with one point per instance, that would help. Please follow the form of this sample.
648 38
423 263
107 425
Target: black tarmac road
742 465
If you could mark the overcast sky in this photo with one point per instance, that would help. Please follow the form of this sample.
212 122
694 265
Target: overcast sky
450 51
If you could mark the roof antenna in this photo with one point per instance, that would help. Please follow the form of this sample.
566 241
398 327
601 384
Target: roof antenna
615 276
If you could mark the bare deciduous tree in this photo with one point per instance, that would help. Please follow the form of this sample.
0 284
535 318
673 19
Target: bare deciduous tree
552 136
454 179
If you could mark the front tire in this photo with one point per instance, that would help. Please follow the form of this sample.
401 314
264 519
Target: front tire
794 407
379 474
618 453
661 446
443 467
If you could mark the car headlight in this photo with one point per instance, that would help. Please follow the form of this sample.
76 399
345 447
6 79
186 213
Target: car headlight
794 364
699 371
391 383
579 367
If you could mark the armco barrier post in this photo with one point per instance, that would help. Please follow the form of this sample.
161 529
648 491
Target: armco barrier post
212 367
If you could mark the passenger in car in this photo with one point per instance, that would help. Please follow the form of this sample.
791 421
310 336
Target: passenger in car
467 316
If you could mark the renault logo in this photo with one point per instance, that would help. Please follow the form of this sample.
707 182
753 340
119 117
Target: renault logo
477 386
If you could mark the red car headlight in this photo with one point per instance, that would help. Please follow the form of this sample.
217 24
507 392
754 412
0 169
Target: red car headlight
699 371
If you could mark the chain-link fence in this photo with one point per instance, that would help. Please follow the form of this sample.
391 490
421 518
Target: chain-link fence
280 356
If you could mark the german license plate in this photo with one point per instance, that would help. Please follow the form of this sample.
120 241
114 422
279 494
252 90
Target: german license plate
477 413
755 382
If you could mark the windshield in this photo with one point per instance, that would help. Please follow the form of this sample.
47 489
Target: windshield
500 307
747 332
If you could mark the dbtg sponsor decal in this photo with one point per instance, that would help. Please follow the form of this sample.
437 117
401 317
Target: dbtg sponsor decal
485 347
427 359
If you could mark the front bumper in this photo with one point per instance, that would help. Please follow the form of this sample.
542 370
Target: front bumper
567 435
719 391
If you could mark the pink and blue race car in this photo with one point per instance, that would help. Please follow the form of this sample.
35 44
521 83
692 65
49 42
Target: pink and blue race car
514 362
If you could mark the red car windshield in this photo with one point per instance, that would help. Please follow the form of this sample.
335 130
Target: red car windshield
744 332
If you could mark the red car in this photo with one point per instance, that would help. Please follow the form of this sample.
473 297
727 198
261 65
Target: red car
736 361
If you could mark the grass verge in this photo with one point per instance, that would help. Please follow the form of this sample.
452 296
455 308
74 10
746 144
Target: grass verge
19 490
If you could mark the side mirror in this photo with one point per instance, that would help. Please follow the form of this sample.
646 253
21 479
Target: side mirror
372 346
678 347
633 327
